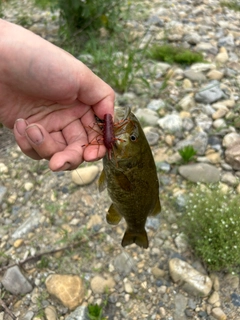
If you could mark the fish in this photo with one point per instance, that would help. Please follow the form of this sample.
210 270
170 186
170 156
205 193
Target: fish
130 177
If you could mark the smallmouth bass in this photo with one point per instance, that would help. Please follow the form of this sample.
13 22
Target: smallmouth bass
130 176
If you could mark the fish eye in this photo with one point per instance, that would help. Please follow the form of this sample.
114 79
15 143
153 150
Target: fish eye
133 137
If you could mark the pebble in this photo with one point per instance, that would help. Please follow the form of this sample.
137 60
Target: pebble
18 243
189 278
3 191
100 284
79 313
171 123
15 282
28 225
3 168
85 175
68 289
149 116
209 93
214 298
200 172
218 314
50 313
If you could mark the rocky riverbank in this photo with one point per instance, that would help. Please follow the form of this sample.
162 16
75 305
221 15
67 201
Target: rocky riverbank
44 212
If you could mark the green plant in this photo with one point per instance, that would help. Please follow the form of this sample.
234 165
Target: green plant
89 14
43 263
120 68
212 226
187 153
231 4
95 312
172 54
43 4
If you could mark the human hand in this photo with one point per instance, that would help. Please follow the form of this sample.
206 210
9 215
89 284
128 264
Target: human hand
50 99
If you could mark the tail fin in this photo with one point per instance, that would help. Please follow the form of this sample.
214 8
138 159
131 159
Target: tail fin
140 238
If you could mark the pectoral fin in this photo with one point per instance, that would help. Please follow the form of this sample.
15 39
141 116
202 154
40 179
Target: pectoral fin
113 217
140 238
102 182
123 182
156 209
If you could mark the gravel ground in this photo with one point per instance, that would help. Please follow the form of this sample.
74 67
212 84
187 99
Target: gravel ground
46 212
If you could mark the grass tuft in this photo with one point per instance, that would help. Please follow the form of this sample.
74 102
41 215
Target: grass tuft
187 153
172 54
231 4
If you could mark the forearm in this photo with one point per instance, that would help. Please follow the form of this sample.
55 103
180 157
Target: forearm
29 61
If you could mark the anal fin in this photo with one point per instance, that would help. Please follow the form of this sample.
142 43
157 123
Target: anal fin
113 217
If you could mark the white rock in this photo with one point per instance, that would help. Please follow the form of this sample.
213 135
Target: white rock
3 168
231 139
28 186
189 278
84 175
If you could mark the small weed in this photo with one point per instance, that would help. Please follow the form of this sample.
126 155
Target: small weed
212 225
95 312
172 54
231 4
187 153
43 263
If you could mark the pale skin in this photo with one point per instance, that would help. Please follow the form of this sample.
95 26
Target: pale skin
49 99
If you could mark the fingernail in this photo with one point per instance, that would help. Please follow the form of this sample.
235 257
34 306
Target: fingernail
21 125
34 134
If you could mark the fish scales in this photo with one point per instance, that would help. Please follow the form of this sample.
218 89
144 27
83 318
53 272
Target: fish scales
130 176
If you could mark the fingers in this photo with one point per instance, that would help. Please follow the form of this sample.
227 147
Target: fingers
36 142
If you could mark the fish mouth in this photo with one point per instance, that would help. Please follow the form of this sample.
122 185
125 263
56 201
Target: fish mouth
121 113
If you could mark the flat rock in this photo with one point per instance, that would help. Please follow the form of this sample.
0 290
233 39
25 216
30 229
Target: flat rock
210 93
69 289
200 172
15 282
28 225
194 76
189 278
